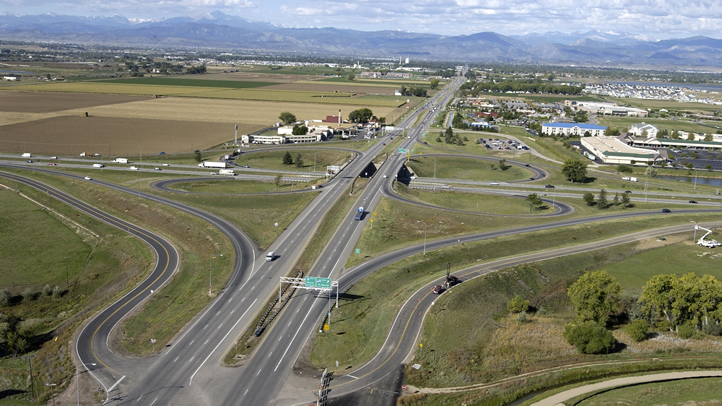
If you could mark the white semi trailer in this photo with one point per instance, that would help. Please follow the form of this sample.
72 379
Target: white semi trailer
209 164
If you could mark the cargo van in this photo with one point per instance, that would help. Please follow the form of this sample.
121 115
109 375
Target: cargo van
98 165
270 256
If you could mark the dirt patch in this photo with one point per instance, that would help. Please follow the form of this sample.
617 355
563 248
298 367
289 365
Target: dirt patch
37 102
72 135
650 243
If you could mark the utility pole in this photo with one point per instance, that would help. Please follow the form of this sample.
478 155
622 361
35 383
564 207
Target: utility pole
30 365
67 279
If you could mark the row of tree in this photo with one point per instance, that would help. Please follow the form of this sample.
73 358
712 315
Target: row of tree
603 201
474 88
414 91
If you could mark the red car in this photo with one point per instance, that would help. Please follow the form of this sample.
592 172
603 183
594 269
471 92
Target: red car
437 289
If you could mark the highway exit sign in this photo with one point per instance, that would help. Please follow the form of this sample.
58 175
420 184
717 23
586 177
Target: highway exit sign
315 282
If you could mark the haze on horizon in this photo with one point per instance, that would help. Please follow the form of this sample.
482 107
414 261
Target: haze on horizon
659 19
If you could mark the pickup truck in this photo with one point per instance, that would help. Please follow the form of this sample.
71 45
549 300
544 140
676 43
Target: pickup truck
359 213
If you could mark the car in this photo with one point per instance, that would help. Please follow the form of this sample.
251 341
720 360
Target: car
53 157
494 183
246 166
161 153
133 168
157 169
385 176
627 191
528 166
549 186
166 164
693 201
52 164
437 289
666 211
532 178
29 161
88 178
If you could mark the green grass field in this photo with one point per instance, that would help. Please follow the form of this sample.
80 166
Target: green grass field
474 202
312 158
624 123
465 168
702 391
36 244
231 186
231 84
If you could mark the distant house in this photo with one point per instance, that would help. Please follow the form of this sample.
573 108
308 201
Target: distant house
576 129
643 129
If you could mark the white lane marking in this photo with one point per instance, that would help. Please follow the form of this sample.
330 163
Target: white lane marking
269 354
292 339
193 341
220 326
230 300
139 398
219 343
233 311
289 323
206 342
259 372
219 312
205 327
253 287
191 358
244 393
153 401
351 376
176 359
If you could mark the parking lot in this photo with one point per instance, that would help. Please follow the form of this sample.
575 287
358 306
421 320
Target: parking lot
699 158
496 144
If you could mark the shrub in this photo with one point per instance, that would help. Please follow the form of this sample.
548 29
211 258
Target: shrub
589 337
712 329
517 304
638 330
57 292
47 290
28 294
685 331
5 297
624 168
522 317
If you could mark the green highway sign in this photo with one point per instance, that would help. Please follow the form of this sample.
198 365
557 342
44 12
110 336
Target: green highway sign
402 150
315 282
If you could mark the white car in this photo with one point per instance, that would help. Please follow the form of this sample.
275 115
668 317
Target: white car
133 168
166 165
494 183
88 178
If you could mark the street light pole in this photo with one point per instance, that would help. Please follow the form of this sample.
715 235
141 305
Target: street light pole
51 391
418 221
77 379
210 277
30 365
695 178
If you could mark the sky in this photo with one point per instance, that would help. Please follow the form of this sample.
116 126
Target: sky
659 19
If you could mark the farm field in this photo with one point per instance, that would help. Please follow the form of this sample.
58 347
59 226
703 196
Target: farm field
72 135
30 102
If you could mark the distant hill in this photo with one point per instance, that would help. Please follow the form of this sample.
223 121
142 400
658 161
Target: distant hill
219 30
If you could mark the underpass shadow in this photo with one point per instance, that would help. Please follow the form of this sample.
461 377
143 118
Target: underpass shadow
10 392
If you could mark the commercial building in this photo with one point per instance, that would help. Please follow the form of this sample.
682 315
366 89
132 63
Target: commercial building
608 109
612 150
576 129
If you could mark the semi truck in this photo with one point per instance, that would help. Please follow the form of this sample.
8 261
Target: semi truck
227 172
209 164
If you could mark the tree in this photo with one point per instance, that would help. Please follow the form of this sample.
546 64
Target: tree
603 203
16 340
198 156
438 139
589 337
361 115
616 199
299 161
574 170
594 296
351 76
287 118
708 137
624 168
287 158
638 330
625 200
449 136
533 199
517 304
299 130
434 84
589 198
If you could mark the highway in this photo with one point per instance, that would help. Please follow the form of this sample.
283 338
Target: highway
187 371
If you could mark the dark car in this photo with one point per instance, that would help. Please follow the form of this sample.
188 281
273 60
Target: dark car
161 153
437 289
528 166
29 161
666 211
532 178
549 186
693 201
627 191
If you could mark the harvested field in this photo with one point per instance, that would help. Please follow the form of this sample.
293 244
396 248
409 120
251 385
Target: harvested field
186 81
253 76
257 113
33 102
332 88
74 134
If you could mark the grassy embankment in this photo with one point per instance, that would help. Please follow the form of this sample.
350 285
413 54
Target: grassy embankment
686 391
364 325
37 243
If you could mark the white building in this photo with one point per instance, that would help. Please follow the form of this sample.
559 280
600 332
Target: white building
643 130
576 129
611 150
263 139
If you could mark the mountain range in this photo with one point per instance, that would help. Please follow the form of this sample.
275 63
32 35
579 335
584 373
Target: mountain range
222 31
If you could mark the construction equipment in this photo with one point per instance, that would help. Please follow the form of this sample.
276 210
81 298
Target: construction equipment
706 243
